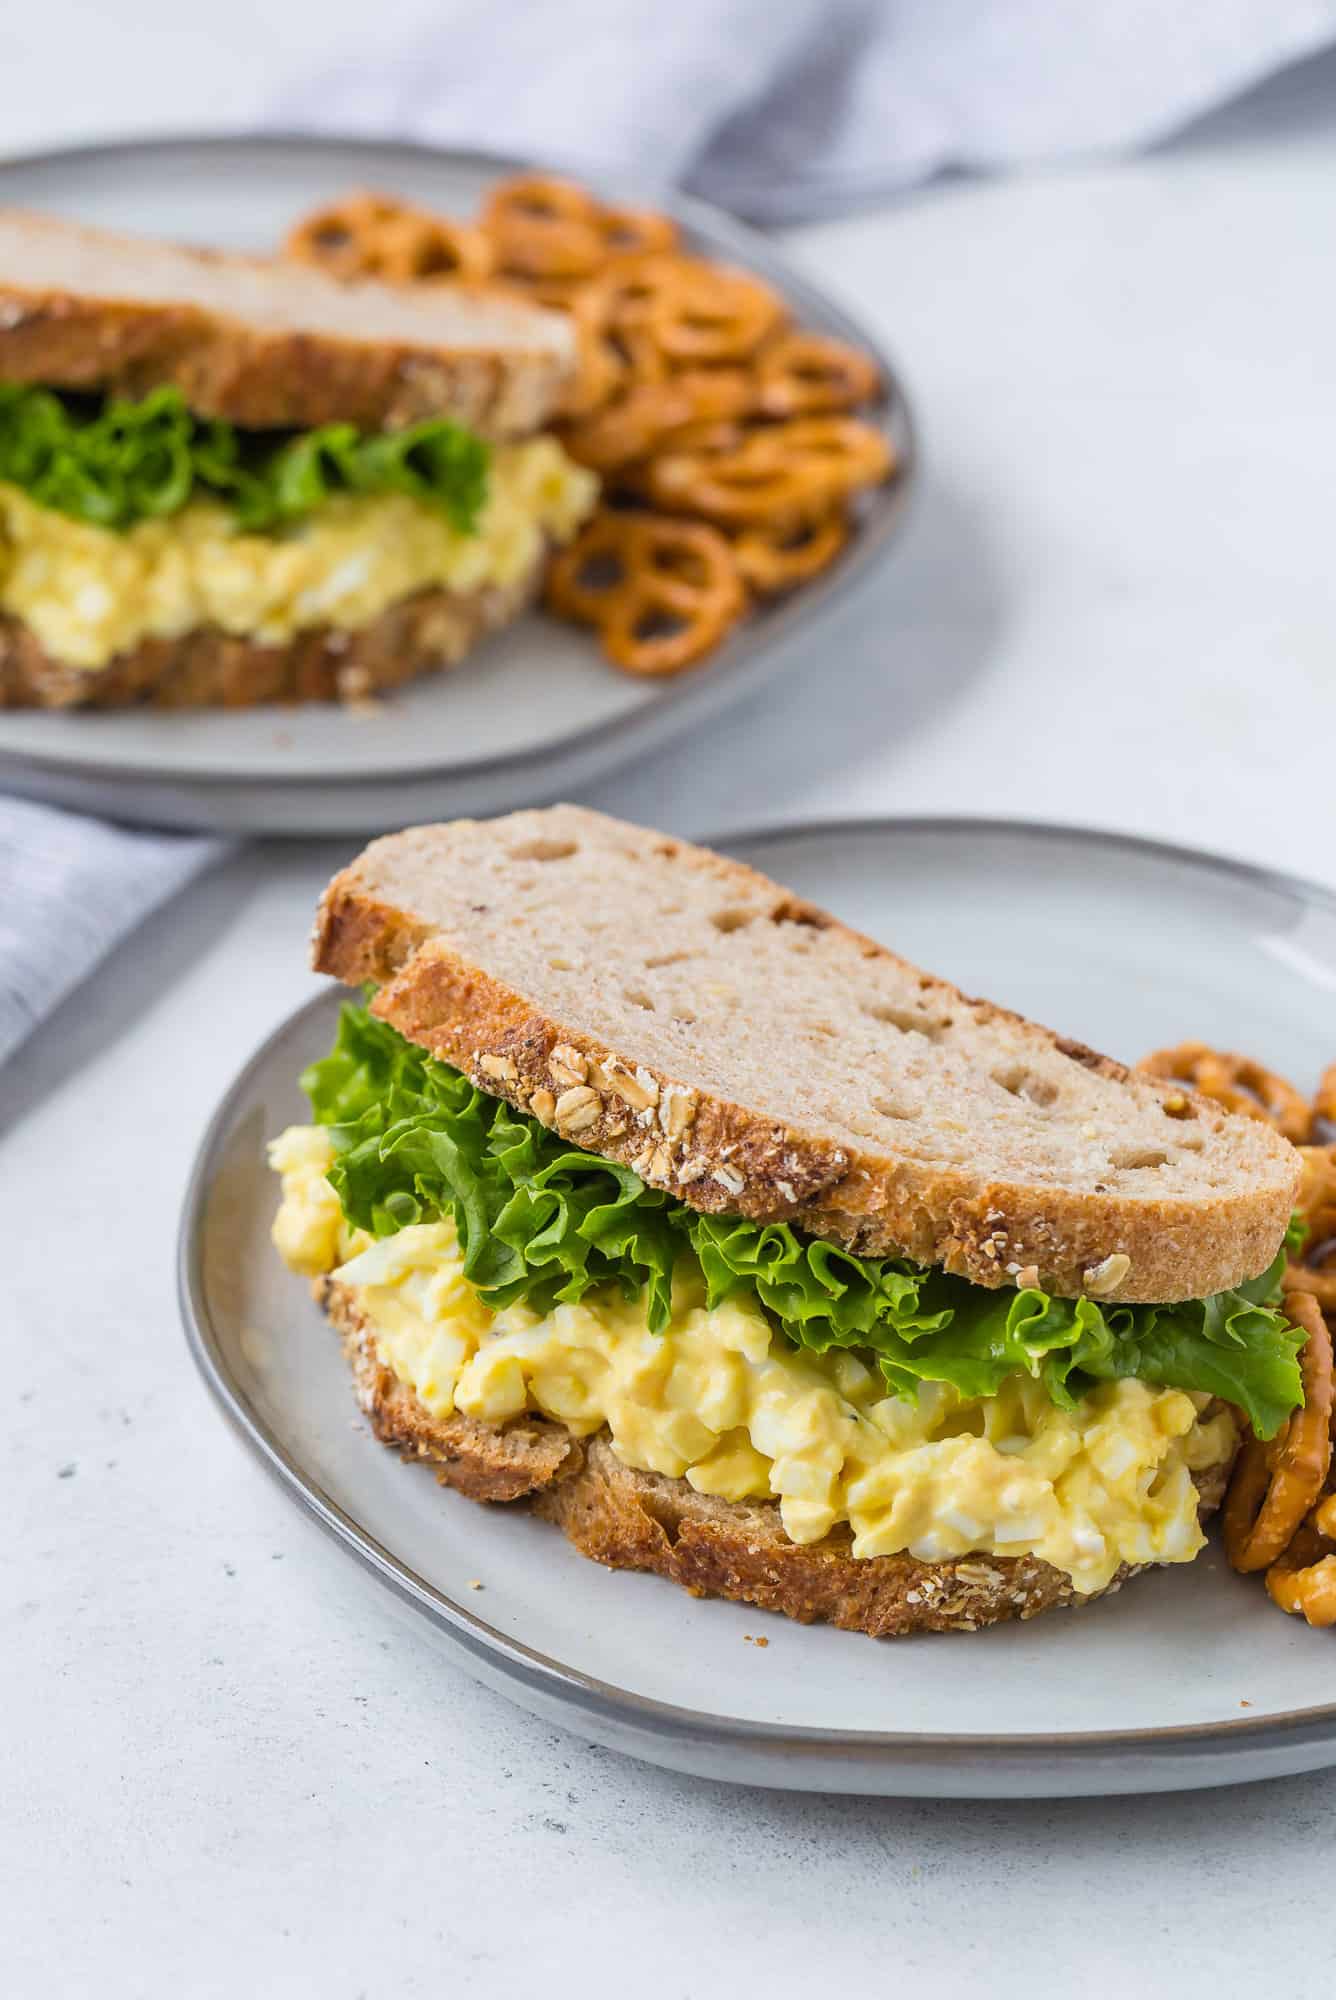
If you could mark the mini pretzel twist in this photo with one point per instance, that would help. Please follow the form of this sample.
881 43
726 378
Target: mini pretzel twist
696 314
550 230
375 236
776 557
1274 1485
809 374
1313 1269
655 413
1235 1082
783 473
660 593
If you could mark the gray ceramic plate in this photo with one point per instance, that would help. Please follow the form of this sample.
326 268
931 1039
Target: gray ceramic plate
536 712
1188 1677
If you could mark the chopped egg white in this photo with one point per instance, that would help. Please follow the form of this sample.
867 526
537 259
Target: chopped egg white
722 1400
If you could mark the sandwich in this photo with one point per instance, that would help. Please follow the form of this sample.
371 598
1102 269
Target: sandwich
653 1199
225 480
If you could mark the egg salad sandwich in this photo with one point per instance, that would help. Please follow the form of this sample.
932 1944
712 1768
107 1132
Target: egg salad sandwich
225 480
651 1197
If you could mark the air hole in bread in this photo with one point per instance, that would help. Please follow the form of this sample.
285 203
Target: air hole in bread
822 1028
731 920
789 912
1018 1081
684 1015
1131 1158
668 958
636 996
545 850
887 1107
562 965
907 1019
1178 1107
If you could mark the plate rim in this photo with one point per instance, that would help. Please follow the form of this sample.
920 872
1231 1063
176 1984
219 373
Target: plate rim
889 1751
685 694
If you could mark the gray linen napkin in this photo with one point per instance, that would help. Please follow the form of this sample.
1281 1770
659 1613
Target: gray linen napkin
788 109
70 889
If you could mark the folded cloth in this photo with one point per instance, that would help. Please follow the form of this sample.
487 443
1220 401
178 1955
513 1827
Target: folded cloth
70 889
787 109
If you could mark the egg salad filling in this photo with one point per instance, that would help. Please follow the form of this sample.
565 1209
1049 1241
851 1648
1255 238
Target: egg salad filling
133 521
721 1398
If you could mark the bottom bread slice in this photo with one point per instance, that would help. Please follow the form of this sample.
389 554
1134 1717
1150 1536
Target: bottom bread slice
714 1548
210 668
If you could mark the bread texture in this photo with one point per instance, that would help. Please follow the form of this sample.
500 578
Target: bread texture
740 1048
209 668
626 1519
267 344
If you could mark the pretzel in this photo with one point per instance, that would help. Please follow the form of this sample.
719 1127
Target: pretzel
775 557
1324 1106
661 593
541 227
1235 1082
1303 1580
375 236
1275 1484
1316 1203
780 474
808 374
697 314
635 423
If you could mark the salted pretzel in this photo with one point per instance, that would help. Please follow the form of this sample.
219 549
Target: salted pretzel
777 557
546 229
697 314
1303 1580
1311 1270
781 473
1274 1485
659 592
541 227
808 374
651 413
1324 1106
1236 1082
375 236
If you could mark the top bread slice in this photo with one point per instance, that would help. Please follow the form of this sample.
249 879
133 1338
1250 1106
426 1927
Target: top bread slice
740 1048
267 344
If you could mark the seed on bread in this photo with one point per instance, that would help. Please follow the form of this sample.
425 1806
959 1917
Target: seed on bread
578 1110
1104 1278
501 1069
566 1065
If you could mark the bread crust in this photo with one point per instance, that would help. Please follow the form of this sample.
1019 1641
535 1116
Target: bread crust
261 374
633 1520
736 1159
430 631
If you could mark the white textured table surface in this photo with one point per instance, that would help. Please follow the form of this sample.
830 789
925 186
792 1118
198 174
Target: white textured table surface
227 1768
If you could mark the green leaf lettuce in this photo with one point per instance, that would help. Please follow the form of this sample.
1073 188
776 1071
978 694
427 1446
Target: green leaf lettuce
113 463
543 1222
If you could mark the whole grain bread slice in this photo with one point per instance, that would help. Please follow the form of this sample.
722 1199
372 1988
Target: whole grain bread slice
626 1519
265 343
209 668
740 1048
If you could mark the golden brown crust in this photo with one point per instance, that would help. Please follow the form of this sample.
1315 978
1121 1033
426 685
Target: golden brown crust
731 1158
494 365
208 668
626 1519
